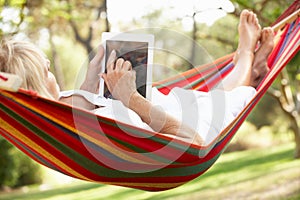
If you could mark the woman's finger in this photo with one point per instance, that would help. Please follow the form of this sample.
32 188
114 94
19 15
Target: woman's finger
119 64
127 65
111 61
99 56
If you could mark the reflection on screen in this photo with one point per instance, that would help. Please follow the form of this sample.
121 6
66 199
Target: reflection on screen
137 54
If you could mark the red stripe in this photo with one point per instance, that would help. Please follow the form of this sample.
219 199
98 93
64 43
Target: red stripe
3 78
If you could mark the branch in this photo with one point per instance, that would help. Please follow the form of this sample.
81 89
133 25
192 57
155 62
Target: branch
284 95
297 99
258 12
286 89
276 94
86 42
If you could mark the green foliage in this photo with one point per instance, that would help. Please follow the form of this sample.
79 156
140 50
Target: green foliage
266 10
16 169
13 3
293 69
8 177
265 112
29 171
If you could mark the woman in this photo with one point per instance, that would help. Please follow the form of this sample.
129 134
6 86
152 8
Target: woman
32 66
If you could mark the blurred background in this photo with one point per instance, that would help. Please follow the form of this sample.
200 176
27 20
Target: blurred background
198 32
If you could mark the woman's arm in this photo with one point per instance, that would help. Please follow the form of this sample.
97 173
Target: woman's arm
120 80
90 84
162 122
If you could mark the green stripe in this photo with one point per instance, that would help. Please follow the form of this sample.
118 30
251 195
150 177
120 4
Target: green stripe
204 78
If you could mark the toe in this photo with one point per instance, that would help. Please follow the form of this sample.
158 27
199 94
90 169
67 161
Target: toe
267 33
251 18
244 16
263 35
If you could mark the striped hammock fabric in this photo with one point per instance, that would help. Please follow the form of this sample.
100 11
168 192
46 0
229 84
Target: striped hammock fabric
93 148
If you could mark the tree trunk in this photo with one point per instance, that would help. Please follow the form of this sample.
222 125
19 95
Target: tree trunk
56 63
296 130
289 104
194 39
104 7
86 41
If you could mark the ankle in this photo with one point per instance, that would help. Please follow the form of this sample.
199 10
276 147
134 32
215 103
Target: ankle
239 54
244 52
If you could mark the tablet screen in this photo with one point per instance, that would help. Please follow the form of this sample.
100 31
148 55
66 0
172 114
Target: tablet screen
137 54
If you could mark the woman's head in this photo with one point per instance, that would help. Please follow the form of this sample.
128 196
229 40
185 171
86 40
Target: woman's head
27 61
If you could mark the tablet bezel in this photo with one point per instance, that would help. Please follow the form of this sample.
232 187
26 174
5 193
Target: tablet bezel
130 37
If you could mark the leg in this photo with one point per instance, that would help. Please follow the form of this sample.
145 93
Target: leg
249 34
260 66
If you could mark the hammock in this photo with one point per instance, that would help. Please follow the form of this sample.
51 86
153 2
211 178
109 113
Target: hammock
93 148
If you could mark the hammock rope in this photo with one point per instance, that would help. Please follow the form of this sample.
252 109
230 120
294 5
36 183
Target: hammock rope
93 148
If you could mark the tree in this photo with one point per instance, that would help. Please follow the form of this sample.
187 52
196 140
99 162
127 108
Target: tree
287 93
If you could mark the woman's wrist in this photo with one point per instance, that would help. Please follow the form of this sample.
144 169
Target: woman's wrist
131 99
90 87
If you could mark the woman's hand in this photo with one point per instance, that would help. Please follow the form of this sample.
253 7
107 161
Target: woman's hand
91 82
120 78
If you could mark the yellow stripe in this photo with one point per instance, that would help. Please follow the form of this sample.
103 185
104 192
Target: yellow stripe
21 137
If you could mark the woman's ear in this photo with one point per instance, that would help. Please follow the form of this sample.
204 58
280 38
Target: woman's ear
48 62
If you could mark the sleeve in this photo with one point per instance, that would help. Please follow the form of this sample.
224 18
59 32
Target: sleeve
90 97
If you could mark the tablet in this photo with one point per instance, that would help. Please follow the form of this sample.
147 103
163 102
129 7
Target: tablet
138 49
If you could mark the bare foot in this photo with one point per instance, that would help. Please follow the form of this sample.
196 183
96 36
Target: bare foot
260 65
249 34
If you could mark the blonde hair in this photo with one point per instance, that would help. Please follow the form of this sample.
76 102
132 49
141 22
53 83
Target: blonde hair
27 61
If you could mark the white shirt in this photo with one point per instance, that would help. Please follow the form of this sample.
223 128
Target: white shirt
208 113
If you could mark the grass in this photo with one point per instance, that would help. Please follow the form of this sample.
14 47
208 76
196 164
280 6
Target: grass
269 173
